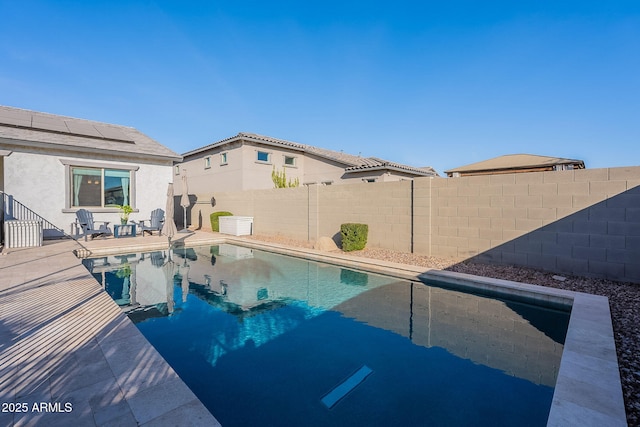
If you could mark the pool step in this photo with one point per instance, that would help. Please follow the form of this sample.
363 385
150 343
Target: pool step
341 390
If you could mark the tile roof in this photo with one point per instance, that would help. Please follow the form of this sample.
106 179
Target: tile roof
515 161
352 163
78 134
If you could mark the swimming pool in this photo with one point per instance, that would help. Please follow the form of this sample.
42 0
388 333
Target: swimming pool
266 339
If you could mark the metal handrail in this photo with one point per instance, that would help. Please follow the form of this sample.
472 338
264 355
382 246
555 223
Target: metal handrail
11 209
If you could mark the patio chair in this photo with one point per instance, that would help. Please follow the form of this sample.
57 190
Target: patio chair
87 224
155 222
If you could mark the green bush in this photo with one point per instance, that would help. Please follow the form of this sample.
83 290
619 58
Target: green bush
354 236
280 179
215 219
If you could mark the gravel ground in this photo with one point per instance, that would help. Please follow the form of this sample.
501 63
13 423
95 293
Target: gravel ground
624 301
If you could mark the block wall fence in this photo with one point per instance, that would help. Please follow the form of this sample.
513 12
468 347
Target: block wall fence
584 222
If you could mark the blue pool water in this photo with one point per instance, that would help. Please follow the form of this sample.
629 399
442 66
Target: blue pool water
265 339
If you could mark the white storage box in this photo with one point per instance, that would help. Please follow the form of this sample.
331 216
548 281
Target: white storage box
236 225
22 234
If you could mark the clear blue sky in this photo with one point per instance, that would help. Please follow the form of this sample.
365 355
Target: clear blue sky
437 83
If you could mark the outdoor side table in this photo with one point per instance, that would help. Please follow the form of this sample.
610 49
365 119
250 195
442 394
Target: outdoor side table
124 230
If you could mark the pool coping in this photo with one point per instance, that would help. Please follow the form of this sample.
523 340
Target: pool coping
588 389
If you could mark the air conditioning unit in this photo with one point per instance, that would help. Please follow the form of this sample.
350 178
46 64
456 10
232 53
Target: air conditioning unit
22 234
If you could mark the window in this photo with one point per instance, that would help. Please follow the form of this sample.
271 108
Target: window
176 170
100 187
223 158
369 179
263 156
289 161
207 162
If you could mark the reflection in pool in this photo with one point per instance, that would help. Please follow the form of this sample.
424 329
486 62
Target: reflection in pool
262 338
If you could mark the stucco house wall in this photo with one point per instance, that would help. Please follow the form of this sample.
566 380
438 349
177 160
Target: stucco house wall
38 152
37 180
217 176
257 174
323 171
241 170
26 172
312 165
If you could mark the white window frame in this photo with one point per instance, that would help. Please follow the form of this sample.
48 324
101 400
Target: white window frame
207 162
294 161
224 158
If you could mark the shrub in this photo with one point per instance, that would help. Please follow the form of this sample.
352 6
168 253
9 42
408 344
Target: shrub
215 219
280 179
354 236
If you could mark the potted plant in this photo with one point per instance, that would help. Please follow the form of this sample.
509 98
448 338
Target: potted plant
124 213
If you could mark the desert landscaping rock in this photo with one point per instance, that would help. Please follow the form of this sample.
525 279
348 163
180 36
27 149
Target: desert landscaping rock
325 244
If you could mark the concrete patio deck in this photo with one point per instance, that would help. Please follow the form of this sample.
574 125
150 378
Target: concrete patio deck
69 356
64 341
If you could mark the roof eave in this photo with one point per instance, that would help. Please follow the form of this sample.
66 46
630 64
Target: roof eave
266 142
551 162
237 138
83 150
515 168
355 169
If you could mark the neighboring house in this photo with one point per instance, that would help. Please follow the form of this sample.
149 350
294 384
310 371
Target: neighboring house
53 165
515 163
246 161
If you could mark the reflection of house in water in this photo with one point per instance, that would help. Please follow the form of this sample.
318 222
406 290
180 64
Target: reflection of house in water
269 295
266 294
247 278
218 300
260 296
134 281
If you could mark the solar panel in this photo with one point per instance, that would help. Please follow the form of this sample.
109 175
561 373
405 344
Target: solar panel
85 129
114 133
15 117
64 125
48 123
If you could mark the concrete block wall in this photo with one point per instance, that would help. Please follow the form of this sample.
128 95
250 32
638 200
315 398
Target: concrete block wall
584 222
290 205
385 207
282 211
235 202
